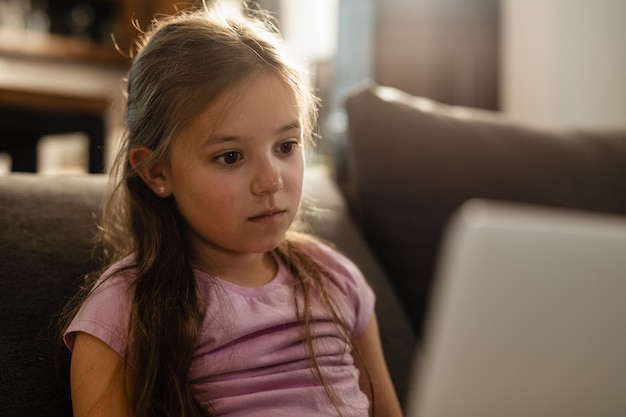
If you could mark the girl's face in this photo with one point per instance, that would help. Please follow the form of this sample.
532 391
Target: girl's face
236 171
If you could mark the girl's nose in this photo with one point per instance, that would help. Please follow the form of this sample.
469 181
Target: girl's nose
268 179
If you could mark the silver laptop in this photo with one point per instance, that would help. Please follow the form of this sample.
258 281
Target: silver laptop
528 317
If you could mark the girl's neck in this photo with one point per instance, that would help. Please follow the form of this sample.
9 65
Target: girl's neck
250 270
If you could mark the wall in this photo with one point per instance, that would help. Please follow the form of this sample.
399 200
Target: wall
563 62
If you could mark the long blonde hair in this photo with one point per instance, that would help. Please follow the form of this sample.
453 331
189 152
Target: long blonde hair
184 63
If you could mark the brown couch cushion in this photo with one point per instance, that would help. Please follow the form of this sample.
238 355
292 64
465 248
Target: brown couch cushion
47 229
413 161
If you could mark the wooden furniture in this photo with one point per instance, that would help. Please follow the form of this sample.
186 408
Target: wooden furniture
53 83
42 94
445 50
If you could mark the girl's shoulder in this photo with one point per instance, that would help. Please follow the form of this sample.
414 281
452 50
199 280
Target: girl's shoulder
326 254
345 281
337 266
124 268
104 312
120 274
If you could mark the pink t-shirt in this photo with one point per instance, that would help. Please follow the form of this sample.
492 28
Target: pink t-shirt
251 359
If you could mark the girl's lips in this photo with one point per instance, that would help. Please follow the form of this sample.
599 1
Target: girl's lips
268 217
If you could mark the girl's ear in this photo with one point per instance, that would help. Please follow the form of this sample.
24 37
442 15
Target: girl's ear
153 174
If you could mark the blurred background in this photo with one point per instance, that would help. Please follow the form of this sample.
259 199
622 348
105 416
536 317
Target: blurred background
555 63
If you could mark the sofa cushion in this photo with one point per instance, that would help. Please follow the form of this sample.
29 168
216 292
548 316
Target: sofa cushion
47 226
412 162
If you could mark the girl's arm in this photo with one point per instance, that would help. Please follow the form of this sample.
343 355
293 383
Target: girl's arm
386 401
96 379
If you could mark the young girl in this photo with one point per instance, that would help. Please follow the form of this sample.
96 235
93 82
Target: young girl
210 305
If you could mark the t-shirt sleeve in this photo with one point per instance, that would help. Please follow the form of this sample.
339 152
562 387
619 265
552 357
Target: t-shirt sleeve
352 283
104 314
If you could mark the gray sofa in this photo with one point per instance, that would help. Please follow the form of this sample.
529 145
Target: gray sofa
407 164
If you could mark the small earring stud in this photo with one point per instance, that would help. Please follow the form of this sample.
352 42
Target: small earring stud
161 190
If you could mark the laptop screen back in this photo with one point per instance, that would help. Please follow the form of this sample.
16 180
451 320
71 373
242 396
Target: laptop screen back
528 316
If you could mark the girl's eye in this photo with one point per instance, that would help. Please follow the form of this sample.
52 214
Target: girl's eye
229 158
287 147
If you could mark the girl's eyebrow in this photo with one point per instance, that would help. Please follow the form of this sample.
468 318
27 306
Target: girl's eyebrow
290 126
218 139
